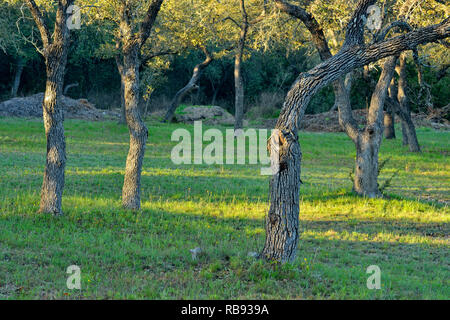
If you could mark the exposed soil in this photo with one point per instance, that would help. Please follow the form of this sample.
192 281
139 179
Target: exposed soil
329 121
31 107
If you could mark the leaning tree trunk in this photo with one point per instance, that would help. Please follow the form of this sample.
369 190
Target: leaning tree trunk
131 191
17 76
410 129
191 85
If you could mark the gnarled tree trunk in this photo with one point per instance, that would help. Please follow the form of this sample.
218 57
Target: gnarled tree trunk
191 85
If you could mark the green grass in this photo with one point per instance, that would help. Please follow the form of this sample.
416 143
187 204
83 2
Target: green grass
220 209
181 107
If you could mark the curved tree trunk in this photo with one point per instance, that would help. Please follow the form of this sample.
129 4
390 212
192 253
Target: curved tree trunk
17 75
410 129
191 85
353 54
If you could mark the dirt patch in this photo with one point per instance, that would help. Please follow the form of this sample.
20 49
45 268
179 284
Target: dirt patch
31 106
329 121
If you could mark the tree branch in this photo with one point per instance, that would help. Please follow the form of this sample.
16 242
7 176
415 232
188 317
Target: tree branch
40 22
147 24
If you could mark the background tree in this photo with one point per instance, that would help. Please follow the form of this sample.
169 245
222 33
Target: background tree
16 37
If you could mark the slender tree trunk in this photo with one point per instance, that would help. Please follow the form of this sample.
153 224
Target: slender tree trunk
410 129
238 83
17 75
389 123
239 94
191 85
120 69
131 191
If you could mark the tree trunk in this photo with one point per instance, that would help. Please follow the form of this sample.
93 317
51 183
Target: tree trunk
389 123
366 165
369 141
120 69
239 95
17 76
282 220
53 183
353 54
404 134
131 191
405 110
238 83
55 48
191 85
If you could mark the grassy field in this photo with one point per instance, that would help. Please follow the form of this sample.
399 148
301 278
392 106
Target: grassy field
220 209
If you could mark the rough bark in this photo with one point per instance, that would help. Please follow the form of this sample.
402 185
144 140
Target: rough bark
191 85
282 226
131 45
238 82
17 76
55 54
131 191
282 220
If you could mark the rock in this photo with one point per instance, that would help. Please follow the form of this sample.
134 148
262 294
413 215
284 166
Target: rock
253 254
31 106
210 115
195 252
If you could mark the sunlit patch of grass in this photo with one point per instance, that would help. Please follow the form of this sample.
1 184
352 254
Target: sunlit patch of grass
145 254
